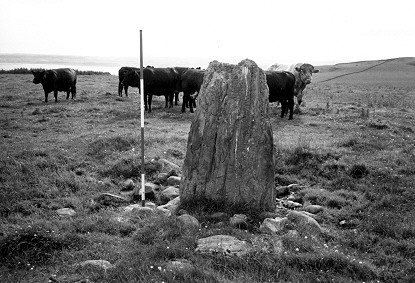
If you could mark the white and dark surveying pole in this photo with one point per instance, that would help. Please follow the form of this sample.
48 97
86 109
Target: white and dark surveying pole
143 189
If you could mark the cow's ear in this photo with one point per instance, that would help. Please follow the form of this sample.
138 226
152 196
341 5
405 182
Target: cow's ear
316 71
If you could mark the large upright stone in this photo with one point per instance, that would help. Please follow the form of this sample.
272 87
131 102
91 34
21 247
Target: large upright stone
230 148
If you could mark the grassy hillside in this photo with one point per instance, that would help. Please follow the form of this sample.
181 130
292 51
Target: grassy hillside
351 148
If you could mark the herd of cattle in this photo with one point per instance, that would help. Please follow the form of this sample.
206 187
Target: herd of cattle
284 83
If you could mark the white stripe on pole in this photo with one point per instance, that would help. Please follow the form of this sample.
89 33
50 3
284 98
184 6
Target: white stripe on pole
143 189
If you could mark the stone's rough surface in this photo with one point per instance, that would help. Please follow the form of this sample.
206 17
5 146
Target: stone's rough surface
223 244
66 212
99 263
230 146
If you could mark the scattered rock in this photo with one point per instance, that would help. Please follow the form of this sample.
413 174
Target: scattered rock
304 224
223 244
219 217
165 211
268 214
281 191
128 185
141 211
66 212
162 177
174 180
295 198
170 192
188 221
171 205
288 204
273 225
131 207
179 266
314 208
99 263
239 220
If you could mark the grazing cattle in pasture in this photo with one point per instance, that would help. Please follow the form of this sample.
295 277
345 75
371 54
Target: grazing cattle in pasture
157 81
56 80
303 75
281 88
121 75
191 82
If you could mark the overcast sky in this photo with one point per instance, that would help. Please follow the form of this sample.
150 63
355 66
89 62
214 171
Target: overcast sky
267 32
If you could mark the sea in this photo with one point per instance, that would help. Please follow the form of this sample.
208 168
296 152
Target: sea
88 63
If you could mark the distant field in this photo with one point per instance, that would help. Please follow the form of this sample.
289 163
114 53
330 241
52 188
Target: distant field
55 155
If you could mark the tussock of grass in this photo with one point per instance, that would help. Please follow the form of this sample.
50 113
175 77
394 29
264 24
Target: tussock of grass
34 245
130 167
104 223
358 171
103 147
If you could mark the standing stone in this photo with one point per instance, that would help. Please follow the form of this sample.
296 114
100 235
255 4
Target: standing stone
230 147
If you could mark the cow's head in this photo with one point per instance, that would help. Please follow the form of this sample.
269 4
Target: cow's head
39 76
305 72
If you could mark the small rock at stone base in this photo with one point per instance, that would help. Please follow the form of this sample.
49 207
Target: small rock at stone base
174 180
188 221
66 212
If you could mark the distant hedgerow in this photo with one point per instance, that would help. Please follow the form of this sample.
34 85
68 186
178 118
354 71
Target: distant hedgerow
24 71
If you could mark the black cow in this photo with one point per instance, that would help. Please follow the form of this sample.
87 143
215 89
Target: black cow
56 80
180 71
191 81
281 88
157 81
121 75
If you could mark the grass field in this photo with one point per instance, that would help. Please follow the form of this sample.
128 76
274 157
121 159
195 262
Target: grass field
352 148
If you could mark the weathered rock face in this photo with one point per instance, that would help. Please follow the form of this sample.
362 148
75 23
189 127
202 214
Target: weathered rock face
230 148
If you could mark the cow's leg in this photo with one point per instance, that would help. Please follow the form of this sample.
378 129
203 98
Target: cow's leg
145 102
171 97
55 93
185 98
150 98
68 92
283 108
291 107
176 98
46 96
126 90
120 87
166 98
73 90
191 104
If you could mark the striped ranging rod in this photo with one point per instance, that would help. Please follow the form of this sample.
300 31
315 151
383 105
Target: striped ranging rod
143 197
